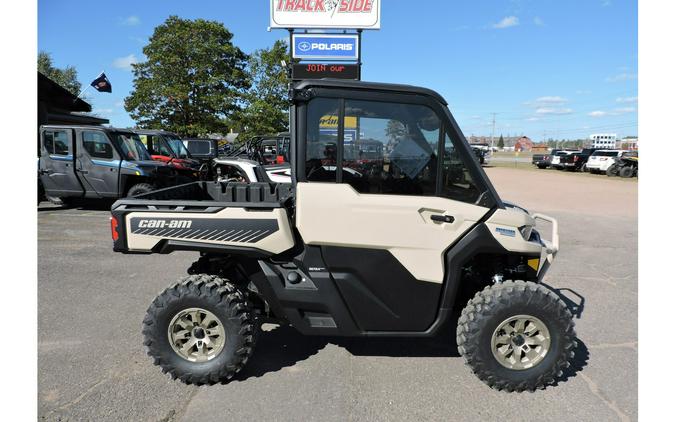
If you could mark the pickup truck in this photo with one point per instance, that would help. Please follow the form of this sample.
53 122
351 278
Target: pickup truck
556 159
576 160
96 162
543 160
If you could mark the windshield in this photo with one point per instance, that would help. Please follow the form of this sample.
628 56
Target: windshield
177 146
131 146
605 153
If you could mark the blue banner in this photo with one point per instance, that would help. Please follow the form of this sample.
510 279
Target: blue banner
326 46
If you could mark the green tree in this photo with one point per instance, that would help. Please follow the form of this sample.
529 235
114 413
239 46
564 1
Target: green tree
193 80
266 104
66 77
394 131
500 144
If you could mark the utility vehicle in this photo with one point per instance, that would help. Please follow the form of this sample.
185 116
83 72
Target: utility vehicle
237 169
342 252
625 166
168 147
95 162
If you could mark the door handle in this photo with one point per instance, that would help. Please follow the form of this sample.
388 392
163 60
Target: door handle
82 171
441 218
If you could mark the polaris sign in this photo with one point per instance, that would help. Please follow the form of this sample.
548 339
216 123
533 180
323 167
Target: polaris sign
325 46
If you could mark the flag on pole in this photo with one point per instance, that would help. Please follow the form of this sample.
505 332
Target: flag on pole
102 84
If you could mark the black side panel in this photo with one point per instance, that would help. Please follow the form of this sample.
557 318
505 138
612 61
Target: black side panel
479 240
379 291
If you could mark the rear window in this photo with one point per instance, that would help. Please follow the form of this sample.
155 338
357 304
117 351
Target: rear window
606 153
199 147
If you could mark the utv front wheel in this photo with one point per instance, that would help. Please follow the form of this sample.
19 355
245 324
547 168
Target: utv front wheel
139 189
201 330
516 336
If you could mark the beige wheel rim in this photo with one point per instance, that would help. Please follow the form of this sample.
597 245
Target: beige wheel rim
196 334
521 342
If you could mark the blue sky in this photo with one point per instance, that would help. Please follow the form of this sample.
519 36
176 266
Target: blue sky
560 69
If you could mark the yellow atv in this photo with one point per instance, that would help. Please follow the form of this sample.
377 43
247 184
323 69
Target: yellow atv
626 166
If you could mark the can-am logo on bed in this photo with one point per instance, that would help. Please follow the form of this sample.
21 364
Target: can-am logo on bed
347 14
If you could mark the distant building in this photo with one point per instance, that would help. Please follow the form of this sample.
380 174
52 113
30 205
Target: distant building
509 141
629 143
603 140
523 144
540 148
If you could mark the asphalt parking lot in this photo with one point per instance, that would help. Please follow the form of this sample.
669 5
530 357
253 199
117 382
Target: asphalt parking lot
92 365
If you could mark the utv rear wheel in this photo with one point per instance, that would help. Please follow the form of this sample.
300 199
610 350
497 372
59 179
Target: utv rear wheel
626 171
542 166
201 330
140 188
516 336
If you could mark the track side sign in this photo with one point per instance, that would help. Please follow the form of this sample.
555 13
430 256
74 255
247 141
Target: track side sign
325 46
335 14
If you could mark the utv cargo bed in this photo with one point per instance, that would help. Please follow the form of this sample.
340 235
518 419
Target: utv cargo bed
248 218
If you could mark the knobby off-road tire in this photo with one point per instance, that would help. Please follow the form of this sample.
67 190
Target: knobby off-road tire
542 166
488 311
626 172
227 307
140 188
612 170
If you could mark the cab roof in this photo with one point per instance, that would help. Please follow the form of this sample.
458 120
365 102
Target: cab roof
92 127
373 86
152 132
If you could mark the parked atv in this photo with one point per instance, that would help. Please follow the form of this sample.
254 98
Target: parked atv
626 166
340 252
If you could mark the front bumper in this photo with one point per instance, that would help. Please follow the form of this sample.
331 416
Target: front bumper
549 247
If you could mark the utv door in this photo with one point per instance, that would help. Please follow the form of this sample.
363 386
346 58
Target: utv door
384 220
56 165
98 163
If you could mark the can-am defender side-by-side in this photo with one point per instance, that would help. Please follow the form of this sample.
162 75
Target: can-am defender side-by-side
345 250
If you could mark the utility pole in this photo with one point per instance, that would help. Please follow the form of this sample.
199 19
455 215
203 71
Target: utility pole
492 137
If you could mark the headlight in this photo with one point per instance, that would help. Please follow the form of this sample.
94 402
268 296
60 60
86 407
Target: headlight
525 231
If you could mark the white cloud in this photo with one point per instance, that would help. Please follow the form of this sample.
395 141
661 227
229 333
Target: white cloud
132 20
550 99
606 3
623 110
627 100
125 62
553 110
597 113
622 77
507 22
538 21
